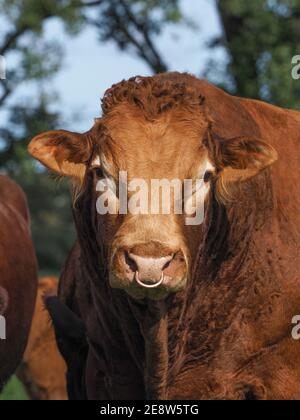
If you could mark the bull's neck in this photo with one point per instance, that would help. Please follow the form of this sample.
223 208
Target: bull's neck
223 272
166 328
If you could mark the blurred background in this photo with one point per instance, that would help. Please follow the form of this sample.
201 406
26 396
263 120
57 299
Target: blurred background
62 55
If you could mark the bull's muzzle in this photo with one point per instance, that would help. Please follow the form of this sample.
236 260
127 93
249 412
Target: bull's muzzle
148 270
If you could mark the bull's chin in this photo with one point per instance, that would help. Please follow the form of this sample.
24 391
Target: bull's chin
154 294
139 293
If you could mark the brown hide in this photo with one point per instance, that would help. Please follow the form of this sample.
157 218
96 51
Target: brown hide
18 276
227 335
43 370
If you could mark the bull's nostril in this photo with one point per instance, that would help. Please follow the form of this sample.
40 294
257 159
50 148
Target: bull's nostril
167 264
131 263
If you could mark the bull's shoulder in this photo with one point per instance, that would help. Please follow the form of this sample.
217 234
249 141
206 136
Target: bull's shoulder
13 196
276 115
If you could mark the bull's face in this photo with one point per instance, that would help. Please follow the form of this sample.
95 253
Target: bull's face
152 162
151 246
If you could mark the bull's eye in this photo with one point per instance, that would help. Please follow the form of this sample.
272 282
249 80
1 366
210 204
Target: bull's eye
208 176
99 172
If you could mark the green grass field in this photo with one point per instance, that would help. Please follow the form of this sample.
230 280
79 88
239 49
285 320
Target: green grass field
14 390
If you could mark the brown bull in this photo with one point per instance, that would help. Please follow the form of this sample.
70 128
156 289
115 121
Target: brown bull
18 277
173 310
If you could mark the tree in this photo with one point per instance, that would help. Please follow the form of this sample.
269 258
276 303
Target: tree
49 199
132 24
260 38
21 39
22 26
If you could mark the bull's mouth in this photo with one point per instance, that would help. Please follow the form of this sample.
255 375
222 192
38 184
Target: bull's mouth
154 291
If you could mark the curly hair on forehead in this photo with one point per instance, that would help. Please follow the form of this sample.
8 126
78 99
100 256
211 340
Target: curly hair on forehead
152 95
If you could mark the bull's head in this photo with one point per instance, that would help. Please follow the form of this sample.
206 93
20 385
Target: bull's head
150 130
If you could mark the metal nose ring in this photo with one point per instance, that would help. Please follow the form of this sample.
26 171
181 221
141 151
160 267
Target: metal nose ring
149 286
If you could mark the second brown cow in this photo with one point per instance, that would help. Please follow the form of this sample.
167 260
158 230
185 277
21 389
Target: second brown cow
18 277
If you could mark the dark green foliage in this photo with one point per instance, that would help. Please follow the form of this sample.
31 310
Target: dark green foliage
48 197
261 37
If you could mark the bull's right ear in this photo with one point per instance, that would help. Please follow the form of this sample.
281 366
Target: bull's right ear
63 152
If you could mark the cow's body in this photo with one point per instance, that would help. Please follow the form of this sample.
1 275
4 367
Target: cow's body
228 334
18 276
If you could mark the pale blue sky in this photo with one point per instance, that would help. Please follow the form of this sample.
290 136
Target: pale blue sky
90 67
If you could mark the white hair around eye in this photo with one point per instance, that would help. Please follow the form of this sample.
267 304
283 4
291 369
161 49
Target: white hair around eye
195 192
207 167
101 161
96 162
105 182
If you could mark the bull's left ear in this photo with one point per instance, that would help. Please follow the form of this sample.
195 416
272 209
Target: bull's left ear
239 159
242 158
63 152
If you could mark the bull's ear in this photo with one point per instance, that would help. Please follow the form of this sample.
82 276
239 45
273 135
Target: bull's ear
63 152
242 158
239 159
